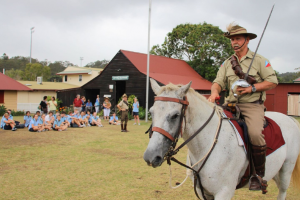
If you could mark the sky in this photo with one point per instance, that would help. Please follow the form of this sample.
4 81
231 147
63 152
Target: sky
97 29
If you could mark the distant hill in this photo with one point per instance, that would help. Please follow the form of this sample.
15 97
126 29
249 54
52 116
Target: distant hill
288 77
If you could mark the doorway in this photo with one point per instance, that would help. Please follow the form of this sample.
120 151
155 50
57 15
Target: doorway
91 94
120 90
293 104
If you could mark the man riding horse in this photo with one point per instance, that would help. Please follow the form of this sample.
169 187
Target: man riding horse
251 99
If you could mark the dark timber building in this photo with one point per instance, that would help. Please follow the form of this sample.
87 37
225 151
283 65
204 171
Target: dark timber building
126 73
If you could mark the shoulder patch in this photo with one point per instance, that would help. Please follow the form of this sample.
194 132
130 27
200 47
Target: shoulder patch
222 64
267 64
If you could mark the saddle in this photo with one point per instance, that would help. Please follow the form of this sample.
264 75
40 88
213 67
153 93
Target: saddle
272 133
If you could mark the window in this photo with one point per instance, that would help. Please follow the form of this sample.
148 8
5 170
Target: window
80 78
66 78
1 96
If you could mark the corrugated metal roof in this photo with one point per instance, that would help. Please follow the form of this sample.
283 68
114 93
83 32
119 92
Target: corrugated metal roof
48 85
168 70
7 83
74 72
297 80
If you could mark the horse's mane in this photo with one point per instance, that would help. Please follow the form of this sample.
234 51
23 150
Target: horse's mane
171 87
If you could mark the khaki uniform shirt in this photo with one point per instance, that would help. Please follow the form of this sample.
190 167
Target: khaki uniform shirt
261 70
123 105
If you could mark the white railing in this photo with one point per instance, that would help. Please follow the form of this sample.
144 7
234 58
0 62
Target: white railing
32 107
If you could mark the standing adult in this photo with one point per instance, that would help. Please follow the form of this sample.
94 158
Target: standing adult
251 99
52 104
43 105
106 108
77 104
135 111
83 105
123 107
97 104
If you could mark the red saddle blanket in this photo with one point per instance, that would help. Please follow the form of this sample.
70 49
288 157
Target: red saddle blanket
272 133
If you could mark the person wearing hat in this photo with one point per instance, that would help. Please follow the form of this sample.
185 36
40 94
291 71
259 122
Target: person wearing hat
123 107
251 99
106 108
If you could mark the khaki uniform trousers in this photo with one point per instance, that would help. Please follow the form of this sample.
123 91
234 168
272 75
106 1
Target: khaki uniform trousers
254 118
124 117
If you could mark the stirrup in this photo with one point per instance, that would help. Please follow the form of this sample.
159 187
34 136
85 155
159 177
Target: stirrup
258 180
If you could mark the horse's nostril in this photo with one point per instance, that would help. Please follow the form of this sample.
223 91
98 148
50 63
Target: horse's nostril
157 160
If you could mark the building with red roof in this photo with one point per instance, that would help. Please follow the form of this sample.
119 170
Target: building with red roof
8 91
296 80
126 73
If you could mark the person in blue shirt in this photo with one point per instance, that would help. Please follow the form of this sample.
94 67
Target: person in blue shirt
47 125
35 124
97 104
59 124
64 118
114 120
135 111
27 118
75 119
83 119
9 113
89 105
7 123
95 120
39 114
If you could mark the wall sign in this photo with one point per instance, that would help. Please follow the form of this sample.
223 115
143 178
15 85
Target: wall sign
107 95
120 78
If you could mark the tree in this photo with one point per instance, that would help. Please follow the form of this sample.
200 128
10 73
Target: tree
202 46
15 74
98 64
33 70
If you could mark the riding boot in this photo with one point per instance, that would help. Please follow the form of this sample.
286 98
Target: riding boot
259 160
122 128
125 128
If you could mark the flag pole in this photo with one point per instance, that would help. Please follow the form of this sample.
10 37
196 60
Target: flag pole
148 61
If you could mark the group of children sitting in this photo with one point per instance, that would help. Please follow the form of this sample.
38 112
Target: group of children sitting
58 121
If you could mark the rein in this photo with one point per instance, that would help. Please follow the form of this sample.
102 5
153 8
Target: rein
172 151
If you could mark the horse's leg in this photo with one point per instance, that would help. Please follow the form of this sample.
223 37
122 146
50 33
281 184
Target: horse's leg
225 194
283 179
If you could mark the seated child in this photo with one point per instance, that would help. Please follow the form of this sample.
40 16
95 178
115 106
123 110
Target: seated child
95 120
7 123
39 114
75 119
35 124
64 117
114 120
83 119
59 124
47 125
49 118
27 118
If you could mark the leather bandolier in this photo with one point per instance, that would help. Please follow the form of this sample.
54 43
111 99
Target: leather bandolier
239 72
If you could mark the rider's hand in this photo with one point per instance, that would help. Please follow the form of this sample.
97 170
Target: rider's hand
243 90
213 97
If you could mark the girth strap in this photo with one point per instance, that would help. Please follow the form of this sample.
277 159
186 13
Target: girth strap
165 133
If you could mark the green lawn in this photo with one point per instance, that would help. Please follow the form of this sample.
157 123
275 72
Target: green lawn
92 163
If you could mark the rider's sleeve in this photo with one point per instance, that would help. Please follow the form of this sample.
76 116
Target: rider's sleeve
221 76
267 72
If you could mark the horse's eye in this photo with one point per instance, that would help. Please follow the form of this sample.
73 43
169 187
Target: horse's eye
175 116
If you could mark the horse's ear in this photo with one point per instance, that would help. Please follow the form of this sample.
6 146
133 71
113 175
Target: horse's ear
155 86
184 89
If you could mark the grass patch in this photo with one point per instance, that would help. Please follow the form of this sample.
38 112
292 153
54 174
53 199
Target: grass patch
92 163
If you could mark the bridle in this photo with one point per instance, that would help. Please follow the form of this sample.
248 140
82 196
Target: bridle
172 151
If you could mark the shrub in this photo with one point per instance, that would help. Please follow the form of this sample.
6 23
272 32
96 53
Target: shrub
142 112
2 110
17 113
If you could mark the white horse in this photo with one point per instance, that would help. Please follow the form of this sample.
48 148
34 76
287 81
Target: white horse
228 162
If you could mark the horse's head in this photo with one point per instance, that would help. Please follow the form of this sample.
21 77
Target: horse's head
166 116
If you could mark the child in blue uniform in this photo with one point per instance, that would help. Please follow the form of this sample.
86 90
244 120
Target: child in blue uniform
95 120
35 124
83 119
27 119
7 123
59 124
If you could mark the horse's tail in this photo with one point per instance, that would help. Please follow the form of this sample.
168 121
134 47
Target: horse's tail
296 172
